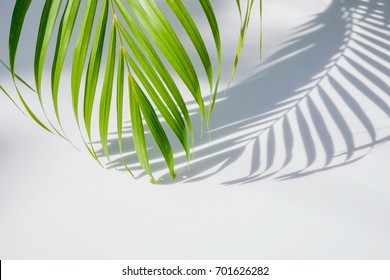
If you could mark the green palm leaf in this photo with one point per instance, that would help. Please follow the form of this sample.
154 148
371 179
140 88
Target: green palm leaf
142 45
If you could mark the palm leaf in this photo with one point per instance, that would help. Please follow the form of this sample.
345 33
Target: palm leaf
141 44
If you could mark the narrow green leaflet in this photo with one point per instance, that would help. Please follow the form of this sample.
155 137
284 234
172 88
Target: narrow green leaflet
105 99
31 113
189 25
208 9
156 129
137 127
248 14
119 97
66 30
244 29
80 53
238 2
119 104
46 27
93 69
18 16
18 77
79 61
10 98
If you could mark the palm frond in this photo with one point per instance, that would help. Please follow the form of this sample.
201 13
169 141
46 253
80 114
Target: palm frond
142 47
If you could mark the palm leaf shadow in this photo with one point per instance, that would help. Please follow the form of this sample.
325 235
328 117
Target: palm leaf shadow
320 102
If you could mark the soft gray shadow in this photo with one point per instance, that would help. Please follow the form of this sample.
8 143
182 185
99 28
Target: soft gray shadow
311 94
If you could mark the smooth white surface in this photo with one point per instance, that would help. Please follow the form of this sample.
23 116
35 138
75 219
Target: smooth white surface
57 203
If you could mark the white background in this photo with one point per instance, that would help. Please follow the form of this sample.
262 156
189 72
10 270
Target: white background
57 203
